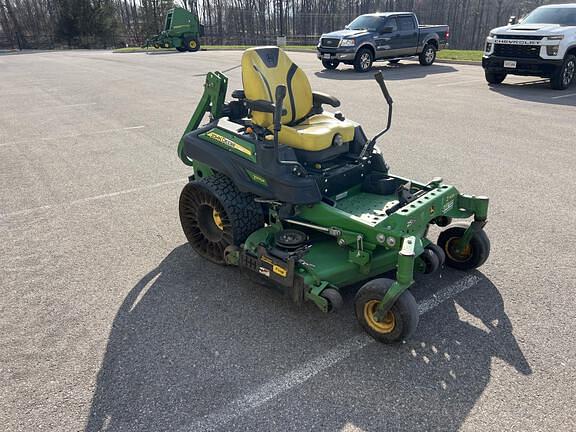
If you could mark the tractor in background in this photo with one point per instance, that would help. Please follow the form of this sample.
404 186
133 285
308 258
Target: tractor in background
182 30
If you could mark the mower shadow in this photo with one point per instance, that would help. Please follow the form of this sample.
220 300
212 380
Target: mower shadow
190 337
537 91
401 71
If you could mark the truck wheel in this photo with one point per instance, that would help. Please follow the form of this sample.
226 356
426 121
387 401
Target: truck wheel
399 323
181 49
494 78
330 64
469 258
363 60
214 215
564 75
428 55
192 44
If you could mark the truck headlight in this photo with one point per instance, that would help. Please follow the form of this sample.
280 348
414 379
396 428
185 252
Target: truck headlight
492 35
557 37
552 50
347 42
488 47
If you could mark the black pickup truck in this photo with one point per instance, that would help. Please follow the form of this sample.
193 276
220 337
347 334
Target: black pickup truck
382 36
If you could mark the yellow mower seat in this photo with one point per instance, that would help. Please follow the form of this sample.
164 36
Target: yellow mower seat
265 68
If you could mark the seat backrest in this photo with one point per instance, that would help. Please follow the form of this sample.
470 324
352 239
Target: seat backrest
265 68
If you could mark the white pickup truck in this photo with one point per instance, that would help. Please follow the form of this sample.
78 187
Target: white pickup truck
543 44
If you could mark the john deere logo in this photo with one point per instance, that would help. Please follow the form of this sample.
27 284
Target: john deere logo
228 143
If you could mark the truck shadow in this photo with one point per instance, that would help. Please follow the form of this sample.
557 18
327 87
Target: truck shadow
400 71
191 337
537 91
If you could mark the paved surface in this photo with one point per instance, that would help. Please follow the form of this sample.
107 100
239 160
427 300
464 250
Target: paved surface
108 321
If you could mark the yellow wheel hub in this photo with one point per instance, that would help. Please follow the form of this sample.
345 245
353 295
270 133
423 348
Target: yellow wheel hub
387 325
192 44
217 219
456 254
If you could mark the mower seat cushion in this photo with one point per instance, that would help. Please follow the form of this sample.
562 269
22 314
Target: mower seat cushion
316 132
265 68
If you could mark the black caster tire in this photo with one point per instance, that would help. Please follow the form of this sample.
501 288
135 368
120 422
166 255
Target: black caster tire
330 64
564 75
439 253
400 321
473 256
363 60
334 299
431 261
215 215
494 78
428 55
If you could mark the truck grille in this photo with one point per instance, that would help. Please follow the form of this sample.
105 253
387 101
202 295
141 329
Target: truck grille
522 37
517 51
329 42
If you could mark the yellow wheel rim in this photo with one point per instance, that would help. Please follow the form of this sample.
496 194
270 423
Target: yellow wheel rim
192 44
387 325
457 255
217 219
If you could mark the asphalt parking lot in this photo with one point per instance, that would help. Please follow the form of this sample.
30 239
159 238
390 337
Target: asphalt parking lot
108 321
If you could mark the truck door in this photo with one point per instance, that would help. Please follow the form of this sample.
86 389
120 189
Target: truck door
408 35
387 40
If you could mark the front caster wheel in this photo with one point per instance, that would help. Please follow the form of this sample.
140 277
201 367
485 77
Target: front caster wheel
334 299
467 258
400 321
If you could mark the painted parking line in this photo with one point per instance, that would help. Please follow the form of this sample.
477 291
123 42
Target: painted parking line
92 198
105 131
564 96
309 369
458 83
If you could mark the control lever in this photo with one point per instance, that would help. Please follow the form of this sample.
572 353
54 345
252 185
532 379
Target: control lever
370 144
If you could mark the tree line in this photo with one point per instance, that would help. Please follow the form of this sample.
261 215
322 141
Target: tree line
112 23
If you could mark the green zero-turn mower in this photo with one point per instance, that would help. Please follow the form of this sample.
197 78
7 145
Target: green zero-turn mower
299 198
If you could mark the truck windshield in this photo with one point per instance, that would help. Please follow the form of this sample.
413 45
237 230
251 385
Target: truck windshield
365 22
562 16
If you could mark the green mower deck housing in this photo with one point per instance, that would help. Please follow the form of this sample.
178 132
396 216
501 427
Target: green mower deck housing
313 224
182 30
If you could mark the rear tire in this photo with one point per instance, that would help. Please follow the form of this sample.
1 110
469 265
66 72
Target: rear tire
564 76
400 321
363 60
330 64
428 55
494 78
214 215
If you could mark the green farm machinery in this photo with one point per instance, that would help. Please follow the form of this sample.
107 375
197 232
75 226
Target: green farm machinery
299 198
182 30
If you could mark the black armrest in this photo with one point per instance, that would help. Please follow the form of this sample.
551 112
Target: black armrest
238 94
262 106
319 99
